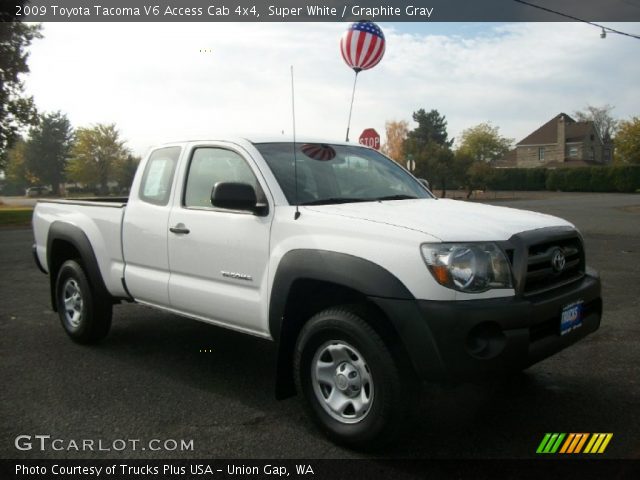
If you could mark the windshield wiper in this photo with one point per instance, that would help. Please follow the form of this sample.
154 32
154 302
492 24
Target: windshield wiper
329 201
396 197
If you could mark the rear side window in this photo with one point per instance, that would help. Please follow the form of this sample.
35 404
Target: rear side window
158 175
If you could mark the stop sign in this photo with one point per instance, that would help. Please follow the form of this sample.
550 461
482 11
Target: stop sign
370 138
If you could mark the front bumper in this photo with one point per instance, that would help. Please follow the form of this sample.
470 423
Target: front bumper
468 339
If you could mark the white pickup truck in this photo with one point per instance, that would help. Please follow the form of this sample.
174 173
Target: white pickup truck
368 284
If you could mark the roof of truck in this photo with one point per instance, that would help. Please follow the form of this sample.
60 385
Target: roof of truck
255 139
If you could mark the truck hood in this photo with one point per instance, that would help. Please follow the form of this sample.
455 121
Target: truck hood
447 220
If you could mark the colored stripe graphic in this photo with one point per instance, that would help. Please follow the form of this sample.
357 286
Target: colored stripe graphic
581 443
574 443
567 443
598 442
550 443
608 438
543 443
576 438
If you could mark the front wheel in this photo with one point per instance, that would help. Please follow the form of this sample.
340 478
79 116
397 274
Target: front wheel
353 386
85 315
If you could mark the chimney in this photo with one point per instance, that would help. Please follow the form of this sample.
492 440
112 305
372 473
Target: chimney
561 138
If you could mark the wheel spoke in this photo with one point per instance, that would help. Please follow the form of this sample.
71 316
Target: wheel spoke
325 373
72 298
359 405
365 375
338 401
339 353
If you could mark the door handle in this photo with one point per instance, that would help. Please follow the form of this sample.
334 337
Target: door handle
179 229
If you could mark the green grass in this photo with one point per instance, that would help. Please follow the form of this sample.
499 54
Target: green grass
15 217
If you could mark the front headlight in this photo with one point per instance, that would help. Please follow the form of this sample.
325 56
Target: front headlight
468 267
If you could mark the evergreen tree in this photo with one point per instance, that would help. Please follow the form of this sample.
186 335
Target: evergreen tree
48 149
16 109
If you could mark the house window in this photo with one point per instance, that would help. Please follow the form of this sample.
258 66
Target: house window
607 154
573 151
541 154
592 153
593 137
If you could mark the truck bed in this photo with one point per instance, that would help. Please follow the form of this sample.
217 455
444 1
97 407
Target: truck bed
100 219
90 201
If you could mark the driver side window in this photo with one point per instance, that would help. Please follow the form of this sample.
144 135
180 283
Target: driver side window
209 166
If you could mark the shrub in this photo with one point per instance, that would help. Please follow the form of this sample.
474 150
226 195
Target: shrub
626 178
587 179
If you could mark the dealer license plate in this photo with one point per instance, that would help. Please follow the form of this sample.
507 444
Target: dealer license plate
571 317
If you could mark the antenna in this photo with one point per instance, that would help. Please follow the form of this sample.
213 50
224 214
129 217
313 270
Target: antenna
295 159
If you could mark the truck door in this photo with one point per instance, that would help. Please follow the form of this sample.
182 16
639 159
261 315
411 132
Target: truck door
145 229
218 258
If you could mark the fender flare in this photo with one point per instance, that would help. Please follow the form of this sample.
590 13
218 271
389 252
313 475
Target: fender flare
75 236
363 276
343 269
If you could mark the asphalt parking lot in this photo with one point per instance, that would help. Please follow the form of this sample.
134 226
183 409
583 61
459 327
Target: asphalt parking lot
150 379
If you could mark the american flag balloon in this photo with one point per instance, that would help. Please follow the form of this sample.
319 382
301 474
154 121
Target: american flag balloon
362 45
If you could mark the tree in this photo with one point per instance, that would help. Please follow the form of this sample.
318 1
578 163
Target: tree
95 156
604 122
429 146
478 175
126 170
396 133
17 175
437 164
627 142
48 149
484 143
16 109
432 127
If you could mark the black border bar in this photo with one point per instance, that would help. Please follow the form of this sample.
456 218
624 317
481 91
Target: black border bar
322 469
322 10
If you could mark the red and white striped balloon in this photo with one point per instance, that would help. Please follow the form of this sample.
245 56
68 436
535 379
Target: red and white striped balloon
362 45
318 151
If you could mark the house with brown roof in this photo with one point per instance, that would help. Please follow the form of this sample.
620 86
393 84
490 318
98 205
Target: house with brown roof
562 142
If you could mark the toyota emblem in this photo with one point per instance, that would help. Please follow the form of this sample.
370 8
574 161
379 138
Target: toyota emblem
557 260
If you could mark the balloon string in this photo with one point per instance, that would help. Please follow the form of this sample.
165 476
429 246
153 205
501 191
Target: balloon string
353 94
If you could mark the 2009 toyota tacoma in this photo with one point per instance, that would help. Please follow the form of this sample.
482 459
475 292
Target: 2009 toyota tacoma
368 284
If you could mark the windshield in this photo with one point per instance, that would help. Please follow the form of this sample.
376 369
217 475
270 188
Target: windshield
338 174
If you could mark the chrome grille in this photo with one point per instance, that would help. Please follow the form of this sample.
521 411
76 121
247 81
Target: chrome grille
542 275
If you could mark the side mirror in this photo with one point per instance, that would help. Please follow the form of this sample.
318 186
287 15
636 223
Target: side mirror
236 196
425 182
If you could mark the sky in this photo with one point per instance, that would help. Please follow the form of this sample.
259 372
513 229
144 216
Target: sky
161 82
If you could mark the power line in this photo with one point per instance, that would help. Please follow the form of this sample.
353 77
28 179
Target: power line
566 15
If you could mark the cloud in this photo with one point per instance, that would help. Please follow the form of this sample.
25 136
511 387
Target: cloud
155 83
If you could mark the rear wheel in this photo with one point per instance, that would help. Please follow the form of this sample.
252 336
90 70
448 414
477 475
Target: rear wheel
85 315
354 388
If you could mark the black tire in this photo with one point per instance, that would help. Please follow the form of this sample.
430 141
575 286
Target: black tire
391 391
87 316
